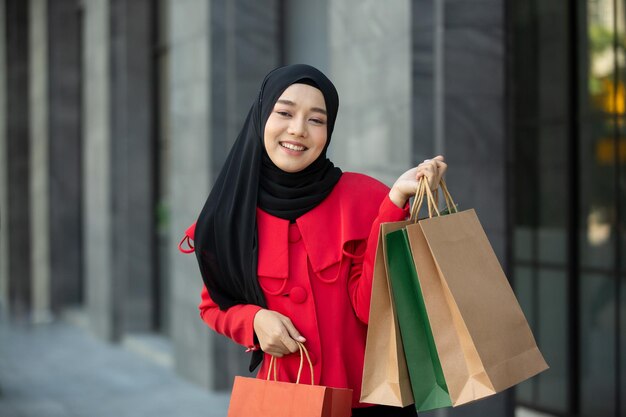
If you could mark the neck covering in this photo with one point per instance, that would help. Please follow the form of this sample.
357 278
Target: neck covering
226 233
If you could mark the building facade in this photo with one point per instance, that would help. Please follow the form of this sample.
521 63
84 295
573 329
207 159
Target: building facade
116 115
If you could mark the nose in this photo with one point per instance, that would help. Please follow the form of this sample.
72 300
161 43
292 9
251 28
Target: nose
297 127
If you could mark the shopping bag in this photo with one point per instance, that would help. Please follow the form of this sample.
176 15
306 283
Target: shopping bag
267 398
385 375
483 340
427 380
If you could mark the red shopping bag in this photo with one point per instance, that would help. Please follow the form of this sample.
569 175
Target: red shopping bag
265 398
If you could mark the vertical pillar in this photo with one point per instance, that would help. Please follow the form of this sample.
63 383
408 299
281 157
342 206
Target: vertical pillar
16 225
370 63
39 167
64 152
119 161
219 52
4 182
191 166
104 317
132 144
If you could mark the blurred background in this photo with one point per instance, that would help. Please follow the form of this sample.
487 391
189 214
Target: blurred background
116 115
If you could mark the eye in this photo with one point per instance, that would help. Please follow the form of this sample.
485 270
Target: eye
317 121
283 113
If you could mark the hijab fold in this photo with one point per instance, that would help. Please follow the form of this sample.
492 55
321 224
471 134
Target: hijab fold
226 230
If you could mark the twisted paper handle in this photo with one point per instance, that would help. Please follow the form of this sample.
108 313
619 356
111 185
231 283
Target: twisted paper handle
302 349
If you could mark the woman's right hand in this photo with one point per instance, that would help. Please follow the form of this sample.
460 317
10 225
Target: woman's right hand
276 333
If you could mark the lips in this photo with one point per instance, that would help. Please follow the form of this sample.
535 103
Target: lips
293 146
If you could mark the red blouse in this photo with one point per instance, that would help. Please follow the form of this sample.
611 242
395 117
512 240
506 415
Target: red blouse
318 272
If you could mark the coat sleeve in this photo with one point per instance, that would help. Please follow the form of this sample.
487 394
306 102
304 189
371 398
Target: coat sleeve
363 254
236 323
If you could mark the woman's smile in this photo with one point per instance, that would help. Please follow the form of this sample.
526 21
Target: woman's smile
295 148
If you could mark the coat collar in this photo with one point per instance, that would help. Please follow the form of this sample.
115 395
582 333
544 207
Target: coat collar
342 217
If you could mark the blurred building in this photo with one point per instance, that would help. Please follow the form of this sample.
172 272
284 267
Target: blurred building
116 115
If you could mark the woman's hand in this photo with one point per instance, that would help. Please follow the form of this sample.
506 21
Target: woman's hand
406 185
276 333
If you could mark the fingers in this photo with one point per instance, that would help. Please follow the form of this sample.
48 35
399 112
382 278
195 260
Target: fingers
289 337
276 333
293 332
433 169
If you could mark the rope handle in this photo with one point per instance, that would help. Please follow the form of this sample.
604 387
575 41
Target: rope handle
302 349
432 198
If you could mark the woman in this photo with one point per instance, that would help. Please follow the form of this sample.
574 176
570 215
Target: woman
286 241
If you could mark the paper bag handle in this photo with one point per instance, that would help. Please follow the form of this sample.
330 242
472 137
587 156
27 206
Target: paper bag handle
302 349
446 194
424 191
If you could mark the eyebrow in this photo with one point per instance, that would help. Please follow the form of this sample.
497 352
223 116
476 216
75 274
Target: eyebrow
291 103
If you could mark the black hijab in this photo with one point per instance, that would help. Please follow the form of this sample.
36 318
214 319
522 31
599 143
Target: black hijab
225 237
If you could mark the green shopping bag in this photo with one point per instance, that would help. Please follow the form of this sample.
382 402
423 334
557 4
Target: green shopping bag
427 380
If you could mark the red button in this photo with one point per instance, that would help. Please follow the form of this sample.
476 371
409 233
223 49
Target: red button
294 233
297 295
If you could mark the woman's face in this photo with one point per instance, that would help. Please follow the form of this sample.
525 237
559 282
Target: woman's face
295 132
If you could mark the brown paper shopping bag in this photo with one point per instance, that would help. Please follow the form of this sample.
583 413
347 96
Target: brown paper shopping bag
266 398
483 339
385 375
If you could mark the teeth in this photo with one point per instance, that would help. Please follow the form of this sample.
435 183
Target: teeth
292 147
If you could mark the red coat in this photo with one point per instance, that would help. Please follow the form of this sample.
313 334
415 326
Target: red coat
317 272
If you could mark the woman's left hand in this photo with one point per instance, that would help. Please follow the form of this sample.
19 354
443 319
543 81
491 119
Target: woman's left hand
406 185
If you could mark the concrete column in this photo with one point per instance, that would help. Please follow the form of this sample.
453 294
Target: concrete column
219 53
104 319
4 182
64 153
119 159
39 166
16 224
191 167
370 64
132 144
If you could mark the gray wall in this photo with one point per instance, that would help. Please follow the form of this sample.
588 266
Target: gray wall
219 53
118 153
189 84
4 183
64 153
17 148
370 64
131 142
305 36
39 167
97 177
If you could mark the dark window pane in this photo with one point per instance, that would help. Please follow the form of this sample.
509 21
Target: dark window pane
597 198
552 338
553 194
597 338
524 291
523 243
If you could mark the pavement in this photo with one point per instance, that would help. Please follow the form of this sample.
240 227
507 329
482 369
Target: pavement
58 369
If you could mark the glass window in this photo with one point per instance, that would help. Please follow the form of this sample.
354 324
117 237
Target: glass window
597 339
552 338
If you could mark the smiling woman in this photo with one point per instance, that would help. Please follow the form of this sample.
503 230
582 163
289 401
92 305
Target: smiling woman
295 132
286 241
